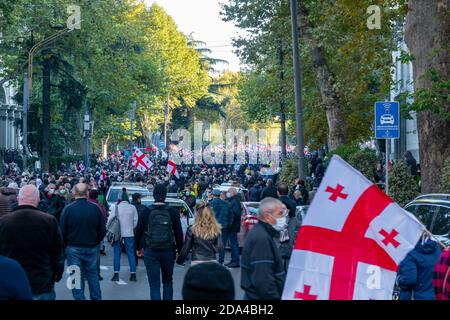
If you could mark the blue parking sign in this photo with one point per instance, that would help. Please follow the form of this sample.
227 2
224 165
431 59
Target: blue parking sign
387 120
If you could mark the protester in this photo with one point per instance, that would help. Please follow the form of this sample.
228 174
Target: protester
415 273
269 191
256 190
287 246
441 277
8 199
235 228
208 281
128 218
204 238
33 239
83 229
301 186
14 284
410 162
224 216
156 233
262 272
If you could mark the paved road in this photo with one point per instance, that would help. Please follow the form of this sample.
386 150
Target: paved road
140 290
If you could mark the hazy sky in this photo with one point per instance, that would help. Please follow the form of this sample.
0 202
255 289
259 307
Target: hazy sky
203 19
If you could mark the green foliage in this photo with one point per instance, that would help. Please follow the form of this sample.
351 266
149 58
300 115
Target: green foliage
445 177
403 187
289 171
344 151
364 161
359 59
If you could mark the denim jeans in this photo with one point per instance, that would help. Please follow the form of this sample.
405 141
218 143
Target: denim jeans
86 260
45 296
234 246
129 246
160 263
225 234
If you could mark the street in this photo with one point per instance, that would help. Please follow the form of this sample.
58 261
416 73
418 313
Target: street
140 290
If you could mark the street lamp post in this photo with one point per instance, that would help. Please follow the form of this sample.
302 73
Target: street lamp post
28 89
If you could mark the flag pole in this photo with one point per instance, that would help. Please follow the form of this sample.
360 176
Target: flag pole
435 238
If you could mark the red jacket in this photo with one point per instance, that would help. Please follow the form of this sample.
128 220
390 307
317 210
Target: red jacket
441 278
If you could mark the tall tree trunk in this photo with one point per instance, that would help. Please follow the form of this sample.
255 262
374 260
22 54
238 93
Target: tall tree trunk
331 101
46 114
105 147
427 34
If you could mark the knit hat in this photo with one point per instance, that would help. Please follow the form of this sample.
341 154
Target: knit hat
160 193
208 281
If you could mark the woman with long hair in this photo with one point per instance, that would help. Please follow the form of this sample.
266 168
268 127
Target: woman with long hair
203 238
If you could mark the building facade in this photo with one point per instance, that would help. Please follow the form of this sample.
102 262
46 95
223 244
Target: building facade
403 79
10 117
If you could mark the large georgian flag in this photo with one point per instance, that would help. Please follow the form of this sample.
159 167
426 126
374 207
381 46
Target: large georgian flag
141 161
351 242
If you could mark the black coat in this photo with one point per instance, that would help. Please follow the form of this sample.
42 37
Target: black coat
262 269
236 210
269 191
142 225
255 193
33 238
202 250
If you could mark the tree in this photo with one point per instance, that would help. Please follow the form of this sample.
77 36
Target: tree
345 66
427 35
403 187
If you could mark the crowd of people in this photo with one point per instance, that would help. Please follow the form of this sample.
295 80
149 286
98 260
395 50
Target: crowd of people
51 220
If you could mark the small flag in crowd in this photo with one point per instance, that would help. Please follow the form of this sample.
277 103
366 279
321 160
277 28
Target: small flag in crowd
81 167
141 161
172 168
351 242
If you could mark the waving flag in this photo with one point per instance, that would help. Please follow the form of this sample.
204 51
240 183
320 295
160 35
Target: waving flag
172 168
351 242
141 161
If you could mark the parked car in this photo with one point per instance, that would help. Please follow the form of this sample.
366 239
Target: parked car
227 185
433 210
132 188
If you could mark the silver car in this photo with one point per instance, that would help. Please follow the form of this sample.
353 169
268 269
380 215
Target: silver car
132 188
433 210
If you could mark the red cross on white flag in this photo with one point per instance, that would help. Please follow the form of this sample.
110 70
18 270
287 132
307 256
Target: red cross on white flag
172 168
351 242
141 161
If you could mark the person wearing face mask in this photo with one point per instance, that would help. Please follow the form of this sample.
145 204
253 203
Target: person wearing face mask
262 269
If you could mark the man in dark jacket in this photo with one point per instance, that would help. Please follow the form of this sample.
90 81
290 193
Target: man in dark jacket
255 191
262 273
159 263
269 191
83 228
33 238
236 210
224 217
415 273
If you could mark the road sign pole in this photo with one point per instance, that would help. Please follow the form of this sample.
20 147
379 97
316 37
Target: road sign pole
386 189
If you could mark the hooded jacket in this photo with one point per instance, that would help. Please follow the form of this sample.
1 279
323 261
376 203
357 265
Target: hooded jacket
8 200
415 272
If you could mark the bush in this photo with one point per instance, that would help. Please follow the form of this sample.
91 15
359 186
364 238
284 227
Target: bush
344 151
445 177
403 187
364 161
289 171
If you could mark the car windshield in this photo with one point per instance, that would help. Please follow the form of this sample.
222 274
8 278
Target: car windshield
177 205
424 213
441 225
113 195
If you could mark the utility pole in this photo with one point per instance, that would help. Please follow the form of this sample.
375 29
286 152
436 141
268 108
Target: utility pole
282 104
87 130
298 92
166 117
25 122
132 112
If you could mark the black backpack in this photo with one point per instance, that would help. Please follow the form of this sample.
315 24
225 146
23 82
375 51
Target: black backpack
159 234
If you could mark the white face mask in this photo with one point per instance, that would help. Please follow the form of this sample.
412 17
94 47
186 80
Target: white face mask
281 224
